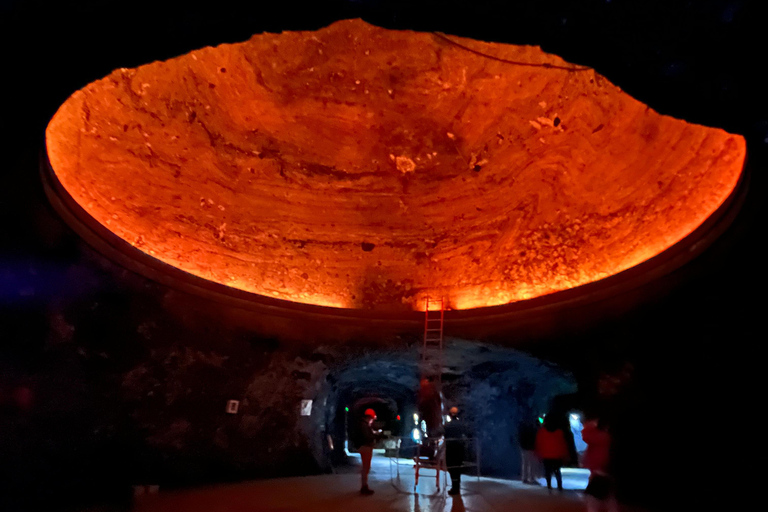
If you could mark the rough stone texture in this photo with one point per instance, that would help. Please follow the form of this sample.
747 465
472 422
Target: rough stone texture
361 167
177 399
497 394
147 382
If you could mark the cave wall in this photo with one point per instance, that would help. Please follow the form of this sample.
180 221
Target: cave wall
131 394
125 392
129 379
496 395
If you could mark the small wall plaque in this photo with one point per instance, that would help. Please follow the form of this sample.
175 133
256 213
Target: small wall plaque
233 406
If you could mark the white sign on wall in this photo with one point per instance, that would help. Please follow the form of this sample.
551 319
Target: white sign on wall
233 406
306 407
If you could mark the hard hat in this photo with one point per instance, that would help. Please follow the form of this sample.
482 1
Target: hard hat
454 410
370 412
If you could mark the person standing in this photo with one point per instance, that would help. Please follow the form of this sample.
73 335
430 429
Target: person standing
552 449
600 490
430 403
368 438
455 440
526 437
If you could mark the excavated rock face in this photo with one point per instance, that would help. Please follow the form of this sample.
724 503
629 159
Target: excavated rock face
360 167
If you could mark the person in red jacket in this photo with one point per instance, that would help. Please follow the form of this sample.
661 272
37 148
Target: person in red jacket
552 449
600 489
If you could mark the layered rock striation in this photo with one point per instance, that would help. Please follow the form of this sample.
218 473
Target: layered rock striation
360 167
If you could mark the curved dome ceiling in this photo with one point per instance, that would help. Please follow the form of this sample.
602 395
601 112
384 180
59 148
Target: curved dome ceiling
365 168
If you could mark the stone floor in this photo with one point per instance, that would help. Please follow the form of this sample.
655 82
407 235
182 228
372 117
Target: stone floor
340 492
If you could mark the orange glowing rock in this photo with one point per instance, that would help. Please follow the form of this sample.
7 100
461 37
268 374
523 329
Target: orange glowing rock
360 167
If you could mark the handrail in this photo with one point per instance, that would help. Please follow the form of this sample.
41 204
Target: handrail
397 460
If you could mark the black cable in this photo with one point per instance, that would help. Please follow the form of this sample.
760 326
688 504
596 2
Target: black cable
517 63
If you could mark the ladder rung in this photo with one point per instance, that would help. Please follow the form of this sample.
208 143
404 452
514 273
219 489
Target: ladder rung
432 351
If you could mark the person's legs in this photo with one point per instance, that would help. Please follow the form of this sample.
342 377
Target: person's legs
453 462
455 480
601 492
528 461
536 467
558 474
612 504
548 465
523 466
593 504
366 454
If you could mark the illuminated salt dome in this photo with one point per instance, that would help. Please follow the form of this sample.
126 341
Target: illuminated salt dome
359 167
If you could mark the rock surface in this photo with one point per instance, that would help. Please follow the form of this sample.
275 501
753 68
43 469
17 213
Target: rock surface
360 167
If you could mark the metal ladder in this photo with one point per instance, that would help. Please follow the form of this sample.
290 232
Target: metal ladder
432 368
432 349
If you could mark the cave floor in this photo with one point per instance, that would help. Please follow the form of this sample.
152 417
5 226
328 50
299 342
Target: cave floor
340 491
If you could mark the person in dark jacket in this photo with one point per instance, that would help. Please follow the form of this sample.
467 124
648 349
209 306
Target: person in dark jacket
552 449
455 441
368 438
526 437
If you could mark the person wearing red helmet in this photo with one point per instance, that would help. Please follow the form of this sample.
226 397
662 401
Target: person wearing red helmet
368 438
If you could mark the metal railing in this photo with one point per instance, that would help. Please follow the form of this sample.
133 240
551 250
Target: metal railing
430 455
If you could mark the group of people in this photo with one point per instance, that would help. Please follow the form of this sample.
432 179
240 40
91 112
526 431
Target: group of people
454 448
548 446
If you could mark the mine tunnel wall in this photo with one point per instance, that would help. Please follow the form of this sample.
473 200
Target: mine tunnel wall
497 396
152 377
268 436
154 389
147 378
